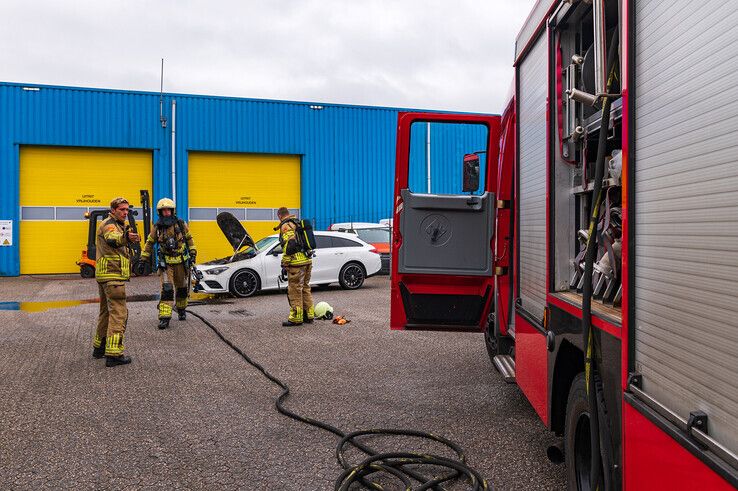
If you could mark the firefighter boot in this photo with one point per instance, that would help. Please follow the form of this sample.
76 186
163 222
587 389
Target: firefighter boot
114 349
114 361
98 347
181 303
295 318
309 315
165 314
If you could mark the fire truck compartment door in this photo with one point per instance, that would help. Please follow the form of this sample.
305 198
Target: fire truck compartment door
447 234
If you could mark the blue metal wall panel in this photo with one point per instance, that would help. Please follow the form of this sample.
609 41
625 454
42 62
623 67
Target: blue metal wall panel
347 152
72 117
343 149
449 142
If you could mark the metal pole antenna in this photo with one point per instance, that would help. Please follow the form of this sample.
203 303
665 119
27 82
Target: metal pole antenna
162 119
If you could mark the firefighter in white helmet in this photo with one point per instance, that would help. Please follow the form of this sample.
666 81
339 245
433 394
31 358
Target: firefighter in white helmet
176 255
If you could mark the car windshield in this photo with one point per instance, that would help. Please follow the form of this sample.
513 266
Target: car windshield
264 243
374 235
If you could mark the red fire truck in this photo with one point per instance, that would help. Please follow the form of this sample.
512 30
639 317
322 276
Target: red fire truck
599 252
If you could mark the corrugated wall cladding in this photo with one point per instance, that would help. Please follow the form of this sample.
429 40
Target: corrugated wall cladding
449 142
72 117
347 152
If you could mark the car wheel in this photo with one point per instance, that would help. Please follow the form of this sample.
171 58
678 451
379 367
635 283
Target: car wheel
87 271
245 283
352 276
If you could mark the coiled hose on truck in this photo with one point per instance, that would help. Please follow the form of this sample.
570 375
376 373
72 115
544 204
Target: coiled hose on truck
377 465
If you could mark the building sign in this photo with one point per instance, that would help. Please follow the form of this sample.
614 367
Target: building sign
245 200
88 198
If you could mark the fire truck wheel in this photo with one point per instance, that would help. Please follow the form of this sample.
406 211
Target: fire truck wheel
576 436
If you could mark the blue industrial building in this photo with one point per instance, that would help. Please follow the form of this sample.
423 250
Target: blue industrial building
345 154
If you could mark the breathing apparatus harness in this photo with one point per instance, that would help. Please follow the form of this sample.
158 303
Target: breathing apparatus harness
169 245
300 244
401 466
301 238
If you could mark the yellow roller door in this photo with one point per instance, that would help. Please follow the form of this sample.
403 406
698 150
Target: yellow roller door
251 186
57 185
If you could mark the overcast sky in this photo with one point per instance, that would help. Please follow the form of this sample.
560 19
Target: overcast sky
453 54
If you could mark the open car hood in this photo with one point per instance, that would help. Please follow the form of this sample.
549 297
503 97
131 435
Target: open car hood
237 237
234 232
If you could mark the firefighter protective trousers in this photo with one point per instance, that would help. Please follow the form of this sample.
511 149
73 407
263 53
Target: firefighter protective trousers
299 294
112 270
175 283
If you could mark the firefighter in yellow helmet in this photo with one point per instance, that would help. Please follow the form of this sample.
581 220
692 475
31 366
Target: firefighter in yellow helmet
176 256
112 270
298 265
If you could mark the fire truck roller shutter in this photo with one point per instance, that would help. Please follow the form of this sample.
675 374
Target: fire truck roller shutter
57 186
532 187
250 186
686 210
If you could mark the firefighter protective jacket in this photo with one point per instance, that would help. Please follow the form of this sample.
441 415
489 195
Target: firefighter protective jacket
287 234
181 233
113 259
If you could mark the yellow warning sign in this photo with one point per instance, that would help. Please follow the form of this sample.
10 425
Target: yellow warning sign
6 233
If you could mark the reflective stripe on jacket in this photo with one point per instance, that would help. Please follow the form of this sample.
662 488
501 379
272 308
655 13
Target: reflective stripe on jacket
113 260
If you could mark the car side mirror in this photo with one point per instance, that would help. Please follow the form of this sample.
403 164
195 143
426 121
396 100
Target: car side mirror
275 252
470 173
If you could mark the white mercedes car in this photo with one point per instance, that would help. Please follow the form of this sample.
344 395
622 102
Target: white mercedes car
339 258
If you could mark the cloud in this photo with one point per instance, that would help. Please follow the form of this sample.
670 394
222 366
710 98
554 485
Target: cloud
453 55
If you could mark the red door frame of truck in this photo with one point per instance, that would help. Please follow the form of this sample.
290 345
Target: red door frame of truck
504 221
427 283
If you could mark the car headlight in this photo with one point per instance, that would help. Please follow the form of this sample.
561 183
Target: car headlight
214 271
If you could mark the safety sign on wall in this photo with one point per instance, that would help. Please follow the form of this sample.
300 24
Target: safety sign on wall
6 233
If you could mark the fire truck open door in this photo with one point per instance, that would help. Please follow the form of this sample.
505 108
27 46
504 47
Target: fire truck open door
443 244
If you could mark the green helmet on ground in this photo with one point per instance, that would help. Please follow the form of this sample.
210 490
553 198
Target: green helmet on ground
323 311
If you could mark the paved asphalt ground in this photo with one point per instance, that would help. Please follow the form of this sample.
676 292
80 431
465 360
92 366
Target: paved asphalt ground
189 413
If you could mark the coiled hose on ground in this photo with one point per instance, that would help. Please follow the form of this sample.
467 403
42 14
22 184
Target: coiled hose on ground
393 465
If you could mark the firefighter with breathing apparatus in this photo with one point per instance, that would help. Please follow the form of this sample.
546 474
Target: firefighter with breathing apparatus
296 260
176 257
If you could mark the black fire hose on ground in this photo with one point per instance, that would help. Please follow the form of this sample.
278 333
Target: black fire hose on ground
600 442
377 465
